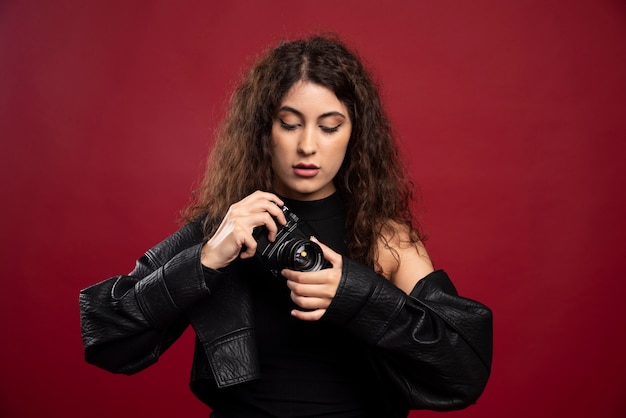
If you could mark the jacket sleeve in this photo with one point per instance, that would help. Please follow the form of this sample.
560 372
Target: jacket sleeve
431 349
128 321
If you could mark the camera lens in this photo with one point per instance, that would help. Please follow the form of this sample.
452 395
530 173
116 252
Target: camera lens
302 258
302 255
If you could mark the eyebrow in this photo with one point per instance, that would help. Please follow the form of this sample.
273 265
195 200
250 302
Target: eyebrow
322 116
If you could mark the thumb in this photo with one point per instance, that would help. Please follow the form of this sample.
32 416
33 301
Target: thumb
331 256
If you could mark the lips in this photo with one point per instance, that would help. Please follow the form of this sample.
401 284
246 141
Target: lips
305 170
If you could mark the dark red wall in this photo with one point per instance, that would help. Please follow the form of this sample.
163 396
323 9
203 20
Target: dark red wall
512 114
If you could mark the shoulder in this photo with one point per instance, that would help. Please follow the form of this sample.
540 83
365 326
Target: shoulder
402 257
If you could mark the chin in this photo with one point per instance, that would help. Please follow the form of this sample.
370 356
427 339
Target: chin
304 190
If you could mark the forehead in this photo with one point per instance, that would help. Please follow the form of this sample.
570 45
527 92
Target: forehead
311 98
312 101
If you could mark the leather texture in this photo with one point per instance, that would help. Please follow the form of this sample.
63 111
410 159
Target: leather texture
431 349
433 346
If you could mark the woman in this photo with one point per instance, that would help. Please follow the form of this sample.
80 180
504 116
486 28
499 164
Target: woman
375 333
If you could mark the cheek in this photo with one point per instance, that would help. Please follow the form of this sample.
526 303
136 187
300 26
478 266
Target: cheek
341 150
277 155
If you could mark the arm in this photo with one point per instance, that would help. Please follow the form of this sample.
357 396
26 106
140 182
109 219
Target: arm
128 321
432 345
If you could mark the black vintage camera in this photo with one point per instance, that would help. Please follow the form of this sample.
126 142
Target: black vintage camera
292 248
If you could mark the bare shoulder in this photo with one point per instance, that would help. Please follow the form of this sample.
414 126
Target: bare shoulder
403 261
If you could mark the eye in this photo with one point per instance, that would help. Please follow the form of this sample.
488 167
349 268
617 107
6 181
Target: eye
330 130
287 126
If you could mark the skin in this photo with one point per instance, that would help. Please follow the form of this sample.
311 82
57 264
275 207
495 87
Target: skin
310 135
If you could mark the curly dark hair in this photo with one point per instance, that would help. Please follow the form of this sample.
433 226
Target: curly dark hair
372 176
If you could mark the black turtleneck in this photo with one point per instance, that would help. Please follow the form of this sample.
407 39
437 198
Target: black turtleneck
326 217
308 369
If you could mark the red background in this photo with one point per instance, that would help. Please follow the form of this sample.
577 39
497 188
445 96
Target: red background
512 114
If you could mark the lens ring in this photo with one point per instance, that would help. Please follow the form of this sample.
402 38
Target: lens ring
304 255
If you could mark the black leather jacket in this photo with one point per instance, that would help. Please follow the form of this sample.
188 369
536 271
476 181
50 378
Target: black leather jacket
431 349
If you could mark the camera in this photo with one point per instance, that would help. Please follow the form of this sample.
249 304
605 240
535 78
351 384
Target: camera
292 248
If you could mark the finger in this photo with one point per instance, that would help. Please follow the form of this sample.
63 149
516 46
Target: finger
268 202
308 277
270 225
276 211
331 256
248 249
266 196
310 303
323 290
259 219
297 280
264 203
258 202
308 315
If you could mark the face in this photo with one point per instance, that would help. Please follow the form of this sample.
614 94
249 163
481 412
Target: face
310 135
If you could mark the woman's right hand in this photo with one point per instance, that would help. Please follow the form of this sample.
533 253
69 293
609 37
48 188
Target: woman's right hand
235 231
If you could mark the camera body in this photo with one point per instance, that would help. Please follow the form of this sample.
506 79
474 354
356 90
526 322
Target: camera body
292 248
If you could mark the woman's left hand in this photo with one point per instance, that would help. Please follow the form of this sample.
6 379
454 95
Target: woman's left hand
314 291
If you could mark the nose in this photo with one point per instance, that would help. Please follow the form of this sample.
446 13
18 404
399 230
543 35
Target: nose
307 144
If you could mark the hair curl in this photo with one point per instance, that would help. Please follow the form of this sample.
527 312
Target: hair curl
372 175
